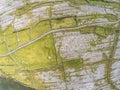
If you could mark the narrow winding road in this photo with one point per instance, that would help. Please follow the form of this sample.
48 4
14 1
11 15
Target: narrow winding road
54 31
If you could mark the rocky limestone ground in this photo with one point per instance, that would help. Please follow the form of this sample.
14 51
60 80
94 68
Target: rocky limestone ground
61 44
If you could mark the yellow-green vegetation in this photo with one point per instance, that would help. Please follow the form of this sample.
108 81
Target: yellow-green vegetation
65 22
9 69
26 1
104 3
77 1
37 55
40 54
92 43
100 31
8 66
27 64
103 31
11 41
1 37
73 63
10 37
110 30
40 28
3 48
110 17
87 30
24 36
26 9
94 2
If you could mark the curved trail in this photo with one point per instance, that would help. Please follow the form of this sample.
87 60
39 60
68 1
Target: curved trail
53 31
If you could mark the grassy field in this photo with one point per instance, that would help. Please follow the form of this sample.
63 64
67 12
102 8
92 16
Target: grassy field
40 28
63 23
40 54
77 63
37 55
8 66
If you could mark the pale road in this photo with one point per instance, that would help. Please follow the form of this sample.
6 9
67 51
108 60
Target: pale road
54 31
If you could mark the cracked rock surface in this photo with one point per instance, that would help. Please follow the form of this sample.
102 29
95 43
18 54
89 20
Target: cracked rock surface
61 44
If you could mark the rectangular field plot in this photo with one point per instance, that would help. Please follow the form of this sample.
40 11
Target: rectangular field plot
40 28
39 54
66 22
